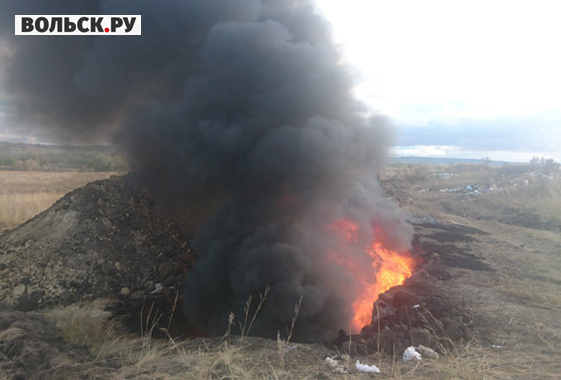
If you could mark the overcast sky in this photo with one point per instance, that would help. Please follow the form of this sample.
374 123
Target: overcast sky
459 78
467 79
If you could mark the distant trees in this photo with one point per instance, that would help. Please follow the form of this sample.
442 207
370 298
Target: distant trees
535 161
62 162
549 165
30 165
107 164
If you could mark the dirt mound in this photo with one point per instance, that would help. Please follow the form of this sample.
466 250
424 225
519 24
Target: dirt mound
104 240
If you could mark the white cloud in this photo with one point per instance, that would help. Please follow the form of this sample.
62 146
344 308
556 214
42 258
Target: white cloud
423 151
499 57
483 76
458 152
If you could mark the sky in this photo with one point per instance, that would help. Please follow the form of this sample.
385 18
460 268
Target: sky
466 79
463 79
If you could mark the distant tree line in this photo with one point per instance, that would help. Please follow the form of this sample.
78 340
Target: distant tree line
62 162
549 164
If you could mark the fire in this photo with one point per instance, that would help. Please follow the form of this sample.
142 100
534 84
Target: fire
347 229
390 267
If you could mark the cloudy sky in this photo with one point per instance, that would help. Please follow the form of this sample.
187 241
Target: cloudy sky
466 79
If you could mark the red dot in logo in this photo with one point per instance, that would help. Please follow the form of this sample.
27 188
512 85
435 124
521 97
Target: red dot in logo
106 30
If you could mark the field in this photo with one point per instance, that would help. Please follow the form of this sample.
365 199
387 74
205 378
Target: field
25 194
516 305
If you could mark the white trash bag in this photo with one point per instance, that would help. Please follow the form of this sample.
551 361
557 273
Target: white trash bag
411 354
366 368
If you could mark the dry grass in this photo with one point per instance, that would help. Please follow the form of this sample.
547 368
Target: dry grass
25 194
542 198
143 357
519 303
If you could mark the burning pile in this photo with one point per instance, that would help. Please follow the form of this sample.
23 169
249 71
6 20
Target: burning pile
388 269
241 112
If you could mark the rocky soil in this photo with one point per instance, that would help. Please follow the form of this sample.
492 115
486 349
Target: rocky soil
104 240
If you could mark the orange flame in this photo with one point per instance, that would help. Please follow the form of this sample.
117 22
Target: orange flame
391 269
347 229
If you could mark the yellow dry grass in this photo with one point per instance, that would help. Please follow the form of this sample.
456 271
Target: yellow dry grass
142 357
25 194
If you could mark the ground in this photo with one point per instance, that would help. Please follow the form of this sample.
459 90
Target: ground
490 240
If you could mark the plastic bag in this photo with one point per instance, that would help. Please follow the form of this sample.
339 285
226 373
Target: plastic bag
366 367
411 354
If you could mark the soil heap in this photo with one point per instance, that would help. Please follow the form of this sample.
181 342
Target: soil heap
104 240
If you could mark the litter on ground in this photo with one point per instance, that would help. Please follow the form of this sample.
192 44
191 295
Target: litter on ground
366 368
411 354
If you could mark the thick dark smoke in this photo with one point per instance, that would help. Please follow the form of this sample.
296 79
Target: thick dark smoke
242 109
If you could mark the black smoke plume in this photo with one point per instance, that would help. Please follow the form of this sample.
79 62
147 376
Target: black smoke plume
239 109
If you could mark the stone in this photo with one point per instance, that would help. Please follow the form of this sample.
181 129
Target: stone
19 290
106 222
67 298
125 291
158 288
428 353
31 301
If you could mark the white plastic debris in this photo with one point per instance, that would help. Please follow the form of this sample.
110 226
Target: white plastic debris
334 366
411 354
416 306
427 352
292 347
366 368
497 346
